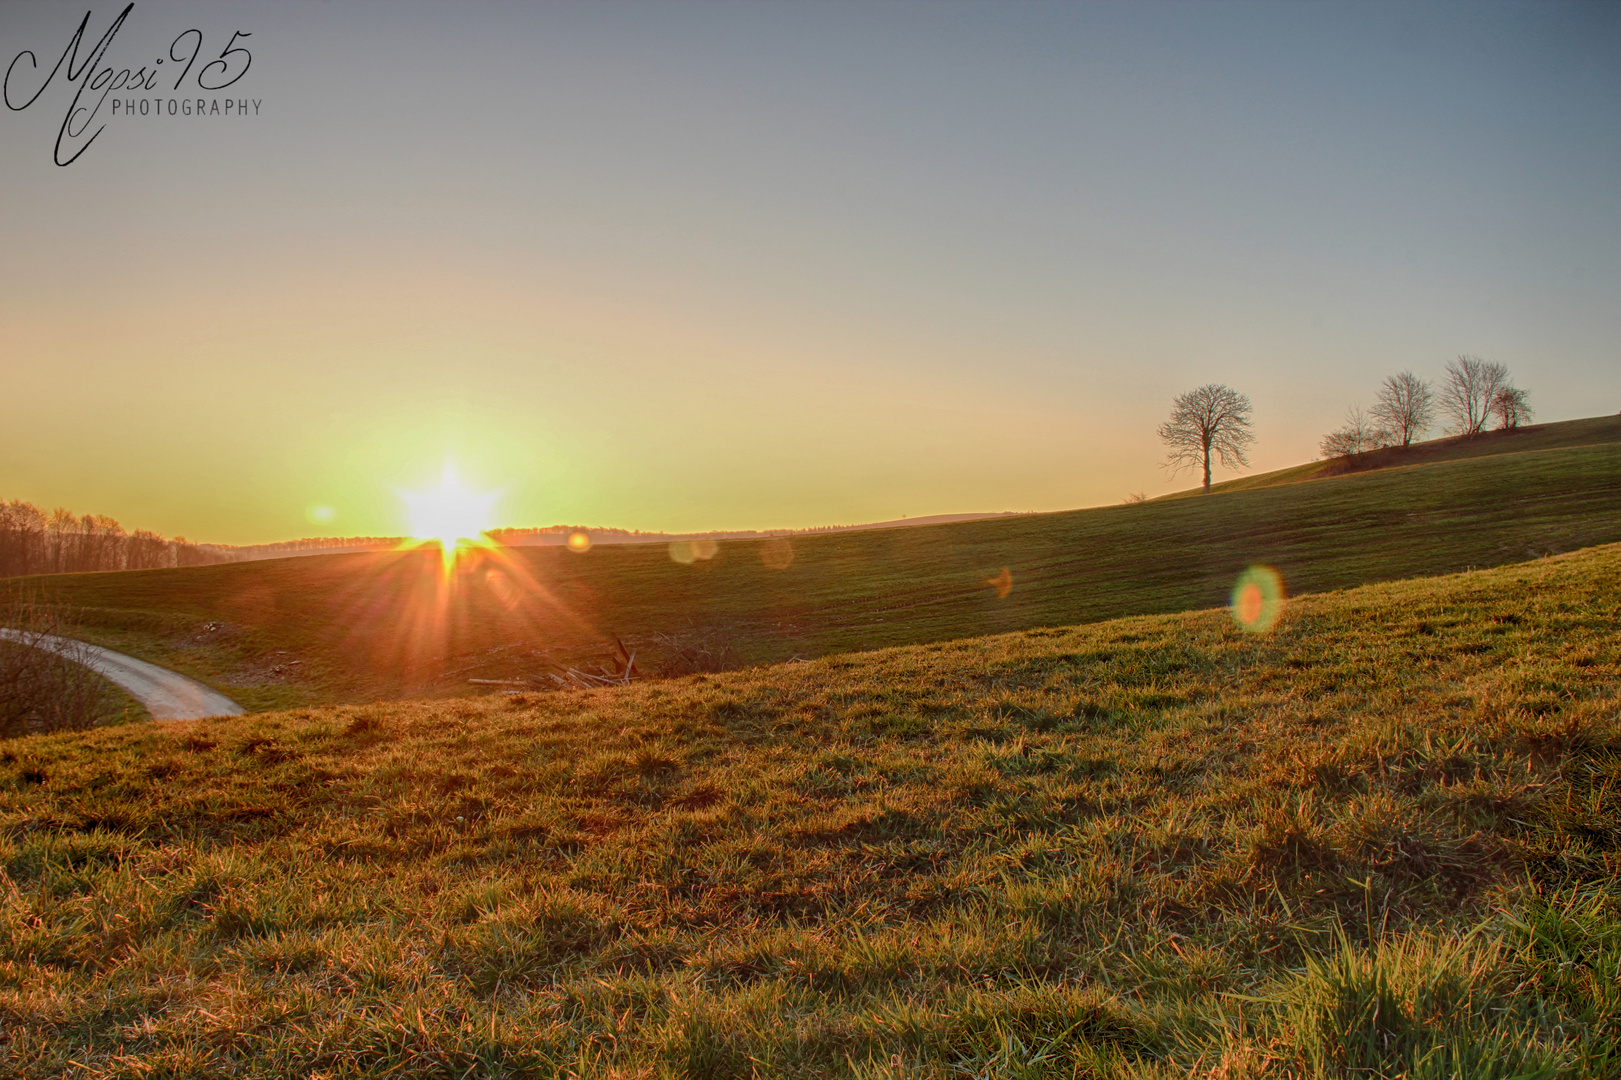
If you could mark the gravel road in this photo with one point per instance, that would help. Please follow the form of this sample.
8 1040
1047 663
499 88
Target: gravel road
167 695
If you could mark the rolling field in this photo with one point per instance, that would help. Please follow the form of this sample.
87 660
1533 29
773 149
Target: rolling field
1381 841
1556 436
366 627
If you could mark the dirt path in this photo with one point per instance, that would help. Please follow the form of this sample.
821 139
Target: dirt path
167 695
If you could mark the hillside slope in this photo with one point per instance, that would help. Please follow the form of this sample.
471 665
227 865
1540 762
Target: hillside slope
369 626
1555 436
1382 840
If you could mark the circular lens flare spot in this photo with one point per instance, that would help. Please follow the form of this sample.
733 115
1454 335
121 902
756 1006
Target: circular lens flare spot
687 552
1258 599
777 552
579 542
1249 604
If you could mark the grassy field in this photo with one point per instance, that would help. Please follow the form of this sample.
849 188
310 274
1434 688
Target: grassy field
1557 436
366 627
1381 841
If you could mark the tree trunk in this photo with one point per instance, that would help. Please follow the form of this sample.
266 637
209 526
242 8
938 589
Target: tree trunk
1207 468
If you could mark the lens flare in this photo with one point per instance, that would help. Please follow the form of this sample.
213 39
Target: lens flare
503 589
1258 598
452 515
687 552
579 542
1002 583
777 552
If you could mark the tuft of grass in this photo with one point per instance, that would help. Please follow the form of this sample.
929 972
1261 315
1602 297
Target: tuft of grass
1421 1006
1379 841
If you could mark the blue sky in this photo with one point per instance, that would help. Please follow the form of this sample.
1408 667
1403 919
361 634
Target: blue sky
732 265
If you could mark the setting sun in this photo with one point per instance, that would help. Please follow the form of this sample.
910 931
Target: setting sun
450 514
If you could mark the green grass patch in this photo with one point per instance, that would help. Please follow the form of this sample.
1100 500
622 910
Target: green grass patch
1381 840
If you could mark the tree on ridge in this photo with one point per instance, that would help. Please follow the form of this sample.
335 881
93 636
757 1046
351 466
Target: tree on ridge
1512 406
1405 406
1359 435
1468 388
1213 417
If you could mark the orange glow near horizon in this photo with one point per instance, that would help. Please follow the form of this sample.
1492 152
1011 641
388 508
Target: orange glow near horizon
401 616
451 514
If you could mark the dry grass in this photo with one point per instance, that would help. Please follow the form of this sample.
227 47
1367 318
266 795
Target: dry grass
1380 841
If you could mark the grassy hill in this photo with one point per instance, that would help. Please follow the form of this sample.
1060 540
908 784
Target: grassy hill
1556 436
1382 840
368 626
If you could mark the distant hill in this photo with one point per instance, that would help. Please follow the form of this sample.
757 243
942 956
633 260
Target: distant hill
387 624
558 535
1564 433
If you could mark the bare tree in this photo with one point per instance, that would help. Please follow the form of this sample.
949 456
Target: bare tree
147 550
1512 407
111 543
1359 435
60 531
22 539
1405 406
1213 417
1468 389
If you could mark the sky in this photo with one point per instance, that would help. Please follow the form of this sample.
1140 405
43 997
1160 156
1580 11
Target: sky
688 266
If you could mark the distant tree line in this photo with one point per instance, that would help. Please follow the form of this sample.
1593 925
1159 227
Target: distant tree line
557 535
310 545
1473 393
34 542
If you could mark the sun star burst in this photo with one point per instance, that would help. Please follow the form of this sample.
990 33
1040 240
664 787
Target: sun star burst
452 514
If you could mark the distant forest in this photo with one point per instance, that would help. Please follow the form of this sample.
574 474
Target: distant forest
34 542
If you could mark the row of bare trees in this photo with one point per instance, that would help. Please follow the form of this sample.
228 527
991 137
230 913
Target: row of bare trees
33 542
1473 393
1213 421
